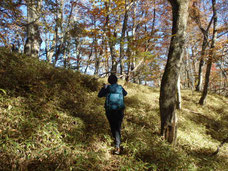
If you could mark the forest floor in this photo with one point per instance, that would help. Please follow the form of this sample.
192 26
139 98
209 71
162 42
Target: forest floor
51 119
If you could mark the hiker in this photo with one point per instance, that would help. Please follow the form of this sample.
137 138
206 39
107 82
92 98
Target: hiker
114 108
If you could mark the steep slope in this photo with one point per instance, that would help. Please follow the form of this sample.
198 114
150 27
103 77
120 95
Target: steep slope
51 119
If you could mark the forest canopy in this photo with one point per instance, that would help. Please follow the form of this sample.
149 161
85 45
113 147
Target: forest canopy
130 37
55 55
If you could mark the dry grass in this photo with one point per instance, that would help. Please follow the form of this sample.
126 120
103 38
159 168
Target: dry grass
51 119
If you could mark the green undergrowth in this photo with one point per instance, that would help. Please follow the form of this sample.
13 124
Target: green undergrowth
51 119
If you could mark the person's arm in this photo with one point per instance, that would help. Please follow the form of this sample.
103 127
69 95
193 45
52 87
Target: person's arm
103 92
124 92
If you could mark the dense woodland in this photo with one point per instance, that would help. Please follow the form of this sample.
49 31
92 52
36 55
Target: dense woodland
171 45
127 37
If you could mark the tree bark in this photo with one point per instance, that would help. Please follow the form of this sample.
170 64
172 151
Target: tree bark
111 38
33 41
178 93
168 91
122 38
58 26
204 46
131 52
95 46
200 73
211 56
89 60
112 44
78 54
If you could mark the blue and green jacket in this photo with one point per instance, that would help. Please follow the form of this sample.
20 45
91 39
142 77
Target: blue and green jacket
105 91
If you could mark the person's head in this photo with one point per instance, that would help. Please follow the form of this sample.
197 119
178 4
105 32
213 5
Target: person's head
112 79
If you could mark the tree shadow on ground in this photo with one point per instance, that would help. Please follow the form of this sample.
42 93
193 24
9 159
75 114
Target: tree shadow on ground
213 127
205 158
151 149
139 113
95 123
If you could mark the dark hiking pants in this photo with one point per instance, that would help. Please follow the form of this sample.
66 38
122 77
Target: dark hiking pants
115 118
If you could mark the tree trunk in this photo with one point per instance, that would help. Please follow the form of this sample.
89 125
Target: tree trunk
128 61
178 93
112 44
186 63
192 77
124 27
111 39
58 26
48 50
95 46
189 71
211 56
204 46
130 51
33 41
65 33
88 62
200 74
168 91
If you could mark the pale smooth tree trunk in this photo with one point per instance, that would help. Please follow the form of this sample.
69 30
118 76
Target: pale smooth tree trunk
191 66
65 33
178 93
223 76
201 63
168 90
58 29
89 60
97 60
95 46
33 41
112 44
189 72
48 50
122 38
130 52
111 38
77 53
211 56
203 52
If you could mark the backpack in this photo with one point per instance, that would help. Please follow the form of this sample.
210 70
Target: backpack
115 98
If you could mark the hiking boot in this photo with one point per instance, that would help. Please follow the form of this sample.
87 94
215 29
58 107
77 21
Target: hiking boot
117 151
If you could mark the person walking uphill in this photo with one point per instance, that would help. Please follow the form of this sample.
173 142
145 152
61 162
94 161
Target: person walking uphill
114 108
